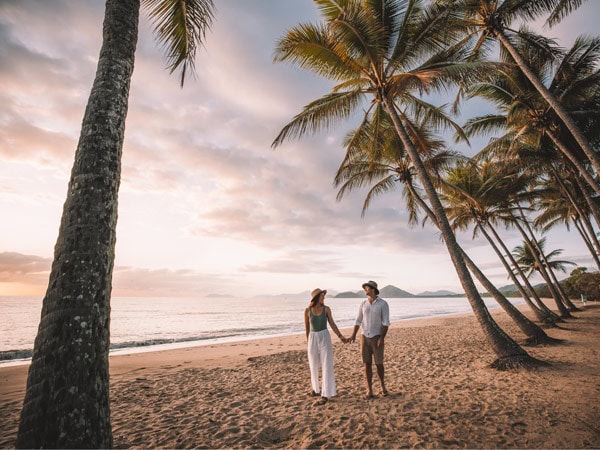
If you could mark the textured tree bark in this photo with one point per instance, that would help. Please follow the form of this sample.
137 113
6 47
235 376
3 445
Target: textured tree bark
67 398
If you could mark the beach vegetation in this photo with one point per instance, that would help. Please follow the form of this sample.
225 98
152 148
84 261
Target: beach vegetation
386 55
490 21
66 403
477 194
535 258
582 284
562 187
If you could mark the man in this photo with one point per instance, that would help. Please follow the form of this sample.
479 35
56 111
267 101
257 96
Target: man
374 317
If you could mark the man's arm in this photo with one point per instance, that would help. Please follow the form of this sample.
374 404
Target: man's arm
385 322
359 319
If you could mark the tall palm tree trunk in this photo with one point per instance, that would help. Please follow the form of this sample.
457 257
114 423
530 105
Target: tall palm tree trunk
561 308
542 261
531 291
590 239
587 241
509 353
537 253
543 314
582 170
543 267
67 398
576 204
595 211
554 104
535 335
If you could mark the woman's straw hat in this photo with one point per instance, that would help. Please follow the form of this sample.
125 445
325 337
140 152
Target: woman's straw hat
316 292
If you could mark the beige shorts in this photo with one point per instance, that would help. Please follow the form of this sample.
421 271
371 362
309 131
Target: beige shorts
370 350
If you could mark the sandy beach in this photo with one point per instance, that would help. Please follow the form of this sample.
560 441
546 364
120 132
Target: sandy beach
254 394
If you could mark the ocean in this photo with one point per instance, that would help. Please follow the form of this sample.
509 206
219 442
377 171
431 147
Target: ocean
148 324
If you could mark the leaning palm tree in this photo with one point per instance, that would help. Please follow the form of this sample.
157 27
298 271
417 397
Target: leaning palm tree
534 258
379 163
490 20
560 205
475 194
389 52
524 114
531 263
67 398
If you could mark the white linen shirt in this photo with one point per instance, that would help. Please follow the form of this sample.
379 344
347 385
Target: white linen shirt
372 316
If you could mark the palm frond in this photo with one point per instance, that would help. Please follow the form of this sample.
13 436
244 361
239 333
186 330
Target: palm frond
562 10
180 26
320 114
311 47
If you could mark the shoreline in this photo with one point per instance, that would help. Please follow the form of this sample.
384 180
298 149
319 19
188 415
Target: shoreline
225 355
22 356
254 393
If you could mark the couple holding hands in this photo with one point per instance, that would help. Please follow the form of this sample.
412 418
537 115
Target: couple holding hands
374 319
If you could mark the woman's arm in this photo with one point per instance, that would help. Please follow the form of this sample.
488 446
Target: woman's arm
333 325
306 323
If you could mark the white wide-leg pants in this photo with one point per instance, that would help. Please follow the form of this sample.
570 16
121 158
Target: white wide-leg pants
320 356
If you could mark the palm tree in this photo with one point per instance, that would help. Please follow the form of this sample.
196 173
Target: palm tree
524 114
532 132
531 263
492 19
544 267
67 398
387 51
476 194
532 257
391 167
559 204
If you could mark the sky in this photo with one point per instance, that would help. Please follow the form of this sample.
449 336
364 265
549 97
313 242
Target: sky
206 206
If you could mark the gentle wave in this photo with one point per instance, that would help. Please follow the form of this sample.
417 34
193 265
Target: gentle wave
11 355
15 354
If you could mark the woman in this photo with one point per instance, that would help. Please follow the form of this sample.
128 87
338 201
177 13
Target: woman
320 350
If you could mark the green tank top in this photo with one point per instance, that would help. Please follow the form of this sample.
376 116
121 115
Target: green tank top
318 323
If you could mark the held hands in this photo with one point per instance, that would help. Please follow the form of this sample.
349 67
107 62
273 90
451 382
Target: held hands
346 340
343 338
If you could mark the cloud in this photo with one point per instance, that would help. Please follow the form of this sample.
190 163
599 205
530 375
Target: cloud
19 268
198 168
140 282
31 270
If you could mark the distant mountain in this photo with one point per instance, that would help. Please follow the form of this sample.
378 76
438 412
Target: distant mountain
219 296
350 294
441 293
394 292
508 288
